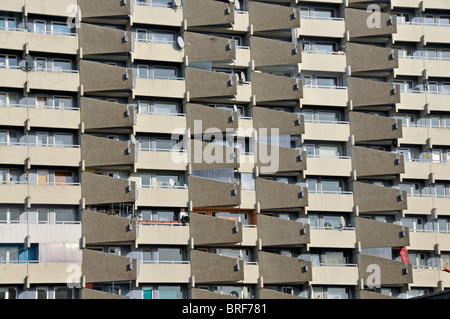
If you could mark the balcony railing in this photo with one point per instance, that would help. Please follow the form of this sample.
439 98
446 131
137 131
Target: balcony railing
34 106
40 183
323 156
165 186
160 223
422 21
53 69
31 28
327 122
333 227
154 149
327 87
39 145
315 191
149 3
163 262
40 222
314 17
337 52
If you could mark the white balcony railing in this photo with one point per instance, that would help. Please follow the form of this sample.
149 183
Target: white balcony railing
39 145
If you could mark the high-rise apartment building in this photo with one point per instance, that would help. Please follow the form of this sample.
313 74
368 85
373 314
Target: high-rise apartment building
201 149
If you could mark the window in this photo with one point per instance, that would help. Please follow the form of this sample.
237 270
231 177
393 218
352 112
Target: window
43 215
444 20
403 18
63 102
42 177
40 26
143 107
165 108
8 292
7 23
60 28
304 12
63 178
329 151
165 144
8 99
41 64
114 251
163 37
170 254
167 181
8 61
146 181
41 101
61 65
332 186
63 293
9 254
170 292
8 215
141 35
147 254
42 139
143 71
164 72
317 293
65 215
323 13
337 293
9 176
288 290
42 292
64 140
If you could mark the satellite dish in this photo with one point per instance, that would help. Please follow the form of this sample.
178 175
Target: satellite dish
133 139
180 42
29 62
237 5
171 182
176 3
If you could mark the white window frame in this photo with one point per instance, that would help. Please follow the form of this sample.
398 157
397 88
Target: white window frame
46 289
46 64
114 253
61 97
40 21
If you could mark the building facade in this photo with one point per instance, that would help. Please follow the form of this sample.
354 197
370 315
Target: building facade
246 149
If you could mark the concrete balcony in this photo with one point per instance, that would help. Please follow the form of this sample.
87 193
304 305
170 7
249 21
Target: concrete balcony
428 241
98 189
208 230
35 273
392 272
115 78
421 135
269 52
99 228
162 160
325 62
208 13
356 24
330 28
39 42
417 67
335 275
269 87
168 52
276 195
268 17
365 92
279 232
207 84
421 101
430 277
248 199
158 123
13 78
329 166
339 202
95 39
154 233
423 170
103 152
164 272
46 194
93 113
415 32
372 198
367 127
67 232
325 96
105 8
164 16
102 267
251 273
368 163
322 131
210 118
375 58
207 192
294 270
68 81
163 197
371 234
170 87
212 268
332 238
284 122
426 205
40 155
204 47
50 7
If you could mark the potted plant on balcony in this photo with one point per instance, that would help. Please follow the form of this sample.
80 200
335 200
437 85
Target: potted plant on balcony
185 220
